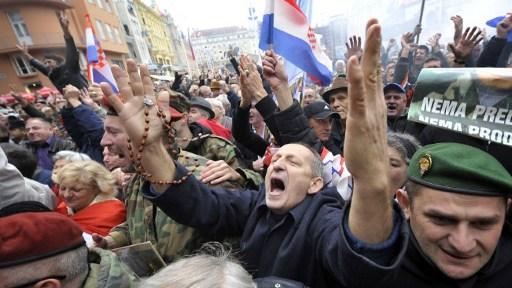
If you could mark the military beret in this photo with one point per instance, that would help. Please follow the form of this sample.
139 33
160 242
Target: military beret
27 237
178 104
459 168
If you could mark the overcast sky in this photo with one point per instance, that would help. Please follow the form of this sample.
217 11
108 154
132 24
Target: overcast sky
205 14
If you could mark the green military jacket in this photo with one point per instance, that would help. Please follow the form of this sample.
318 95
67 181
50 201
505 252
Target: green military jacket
217 148
107 271
145 222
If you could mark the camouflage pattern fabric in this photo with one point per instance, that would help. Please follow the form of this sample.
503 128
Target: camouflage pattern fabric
145 222
217 148
107 271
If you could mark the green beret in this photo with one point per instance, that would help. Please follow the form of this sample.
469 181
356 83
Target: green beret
459 168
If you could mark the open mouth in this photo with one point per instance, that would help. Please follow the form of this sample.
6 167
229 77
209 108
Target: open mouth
276 185
391 107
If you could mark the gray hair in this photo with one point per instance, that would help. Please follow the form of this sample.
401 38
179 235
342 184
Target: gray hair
70 156
203 271
404 143
73 264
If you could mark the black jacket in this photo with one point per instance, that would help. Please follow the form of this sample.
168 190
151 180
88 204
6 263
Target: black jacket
408 267
302 245
68 72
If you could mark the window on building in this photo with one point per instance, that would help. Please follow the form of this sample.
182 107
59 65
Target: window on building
126 30
131 10
99 28
19 27
117 35
108 6
118 62
22 65
109 33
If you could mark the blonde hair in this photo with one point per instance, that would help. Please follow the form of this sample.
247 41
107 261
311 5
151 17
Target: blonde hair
90 173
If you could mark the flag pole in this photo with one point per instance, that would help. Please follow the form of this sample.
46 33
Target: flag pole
421 19
270 40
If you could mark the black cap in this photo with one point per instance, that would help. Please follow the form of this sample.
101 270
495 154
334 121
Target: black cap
319 110
203 104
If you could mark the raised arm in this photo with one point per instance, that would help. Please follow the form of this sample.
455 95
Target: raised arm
136 107
370 216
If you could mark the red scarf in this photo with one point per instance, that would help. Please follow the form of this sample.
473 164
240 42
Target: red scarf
99 217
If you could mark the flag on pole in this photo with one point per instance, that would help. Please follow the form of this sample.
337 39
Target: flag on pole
99 69
287 29
294 73
190 47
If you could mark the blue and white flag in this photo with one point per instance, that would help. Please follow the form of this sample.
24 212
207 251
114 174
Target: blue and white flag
99 68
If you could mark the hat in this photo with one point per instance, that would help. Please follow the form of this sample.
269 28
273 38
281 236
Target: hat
215 85
339 83
178 104
394 86
319 110
15 123
203 104
459 168
31 236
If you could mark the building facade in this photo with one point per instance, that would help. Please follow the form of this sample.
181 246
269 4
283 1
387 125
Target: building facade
211 46
132 29
156 33
35 23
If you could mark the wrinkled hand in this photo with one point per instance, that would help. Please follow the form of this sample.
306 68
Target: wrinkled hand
434 42
71 93
273 71
370 215
217 172
258 165
504 27
417 30
99 241
458 24
86 98
462 50
135 88
407 40
366 120
23 48
250 82
354 48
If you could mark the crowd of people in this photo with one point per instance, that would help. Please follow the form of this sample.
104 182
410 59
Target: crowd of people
335 189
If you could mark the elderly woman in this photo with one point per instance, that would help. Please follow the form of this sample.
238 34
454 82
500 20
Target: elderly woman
401 147
88 191
59 160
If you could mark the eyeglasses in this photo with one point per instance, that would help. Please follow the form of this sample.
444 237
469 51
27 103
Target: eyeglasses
30 284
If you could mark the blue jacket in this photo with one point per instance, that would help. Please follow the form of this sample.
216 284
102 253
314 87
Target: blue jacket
86 129
302 244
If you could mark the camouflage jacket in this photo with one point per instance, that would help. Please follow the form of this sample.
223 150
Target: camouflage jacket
217 148
145 222
107 271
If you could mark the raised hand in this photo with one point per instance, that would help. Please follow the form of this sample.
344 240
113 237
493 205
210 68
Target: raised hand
273 70
250 82
458 23
354 48
136 107
370 216
63 20
462 50
274 73
504 27
434 42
